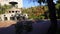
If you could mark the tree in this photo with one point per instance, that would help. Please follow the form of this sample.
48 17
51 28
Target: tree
4 8
52 14
58 8
58 1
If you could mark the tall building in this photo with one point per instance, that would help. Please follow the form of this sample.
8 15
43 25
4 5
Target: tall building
20 2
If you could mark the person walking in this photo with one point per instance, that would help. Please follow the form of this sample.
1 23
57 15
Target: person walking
27 26
23 26
19 26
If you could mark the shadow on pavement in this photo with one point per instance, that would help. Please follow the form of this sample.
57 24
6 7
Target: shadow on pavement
7 30
38 28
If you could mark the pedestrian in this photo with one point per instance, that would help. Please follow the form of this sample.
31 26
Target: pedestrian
19 26
28 26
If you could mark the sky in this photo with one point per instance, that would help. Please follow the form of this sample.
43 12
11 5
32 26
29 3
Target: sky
27 4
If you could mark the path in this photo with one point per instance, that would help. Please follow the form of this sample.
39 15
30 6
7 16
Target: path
38 28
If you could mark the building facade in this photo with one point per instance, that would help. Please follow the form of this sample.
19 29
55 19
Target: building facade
12 14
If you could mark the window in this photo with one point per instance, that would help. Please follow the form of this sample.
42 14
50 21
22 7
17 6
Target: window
4 15
12 11
11 15
9 11
16 11
5 18
17 18
19 12
12 18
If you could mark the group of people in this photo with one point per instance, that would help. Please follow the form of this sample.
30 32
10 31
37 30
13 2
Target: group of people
23 26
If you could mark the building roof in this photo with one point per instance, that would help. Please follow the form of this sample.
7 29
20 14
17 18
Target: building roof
14 9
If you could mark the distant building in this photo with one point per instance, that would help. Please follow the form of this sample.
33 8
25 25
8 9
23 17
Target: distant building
12 14
20 2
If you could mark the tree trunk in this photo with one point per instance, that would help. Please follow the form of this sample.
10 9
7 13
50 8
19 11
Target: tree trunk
59 13
53 18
